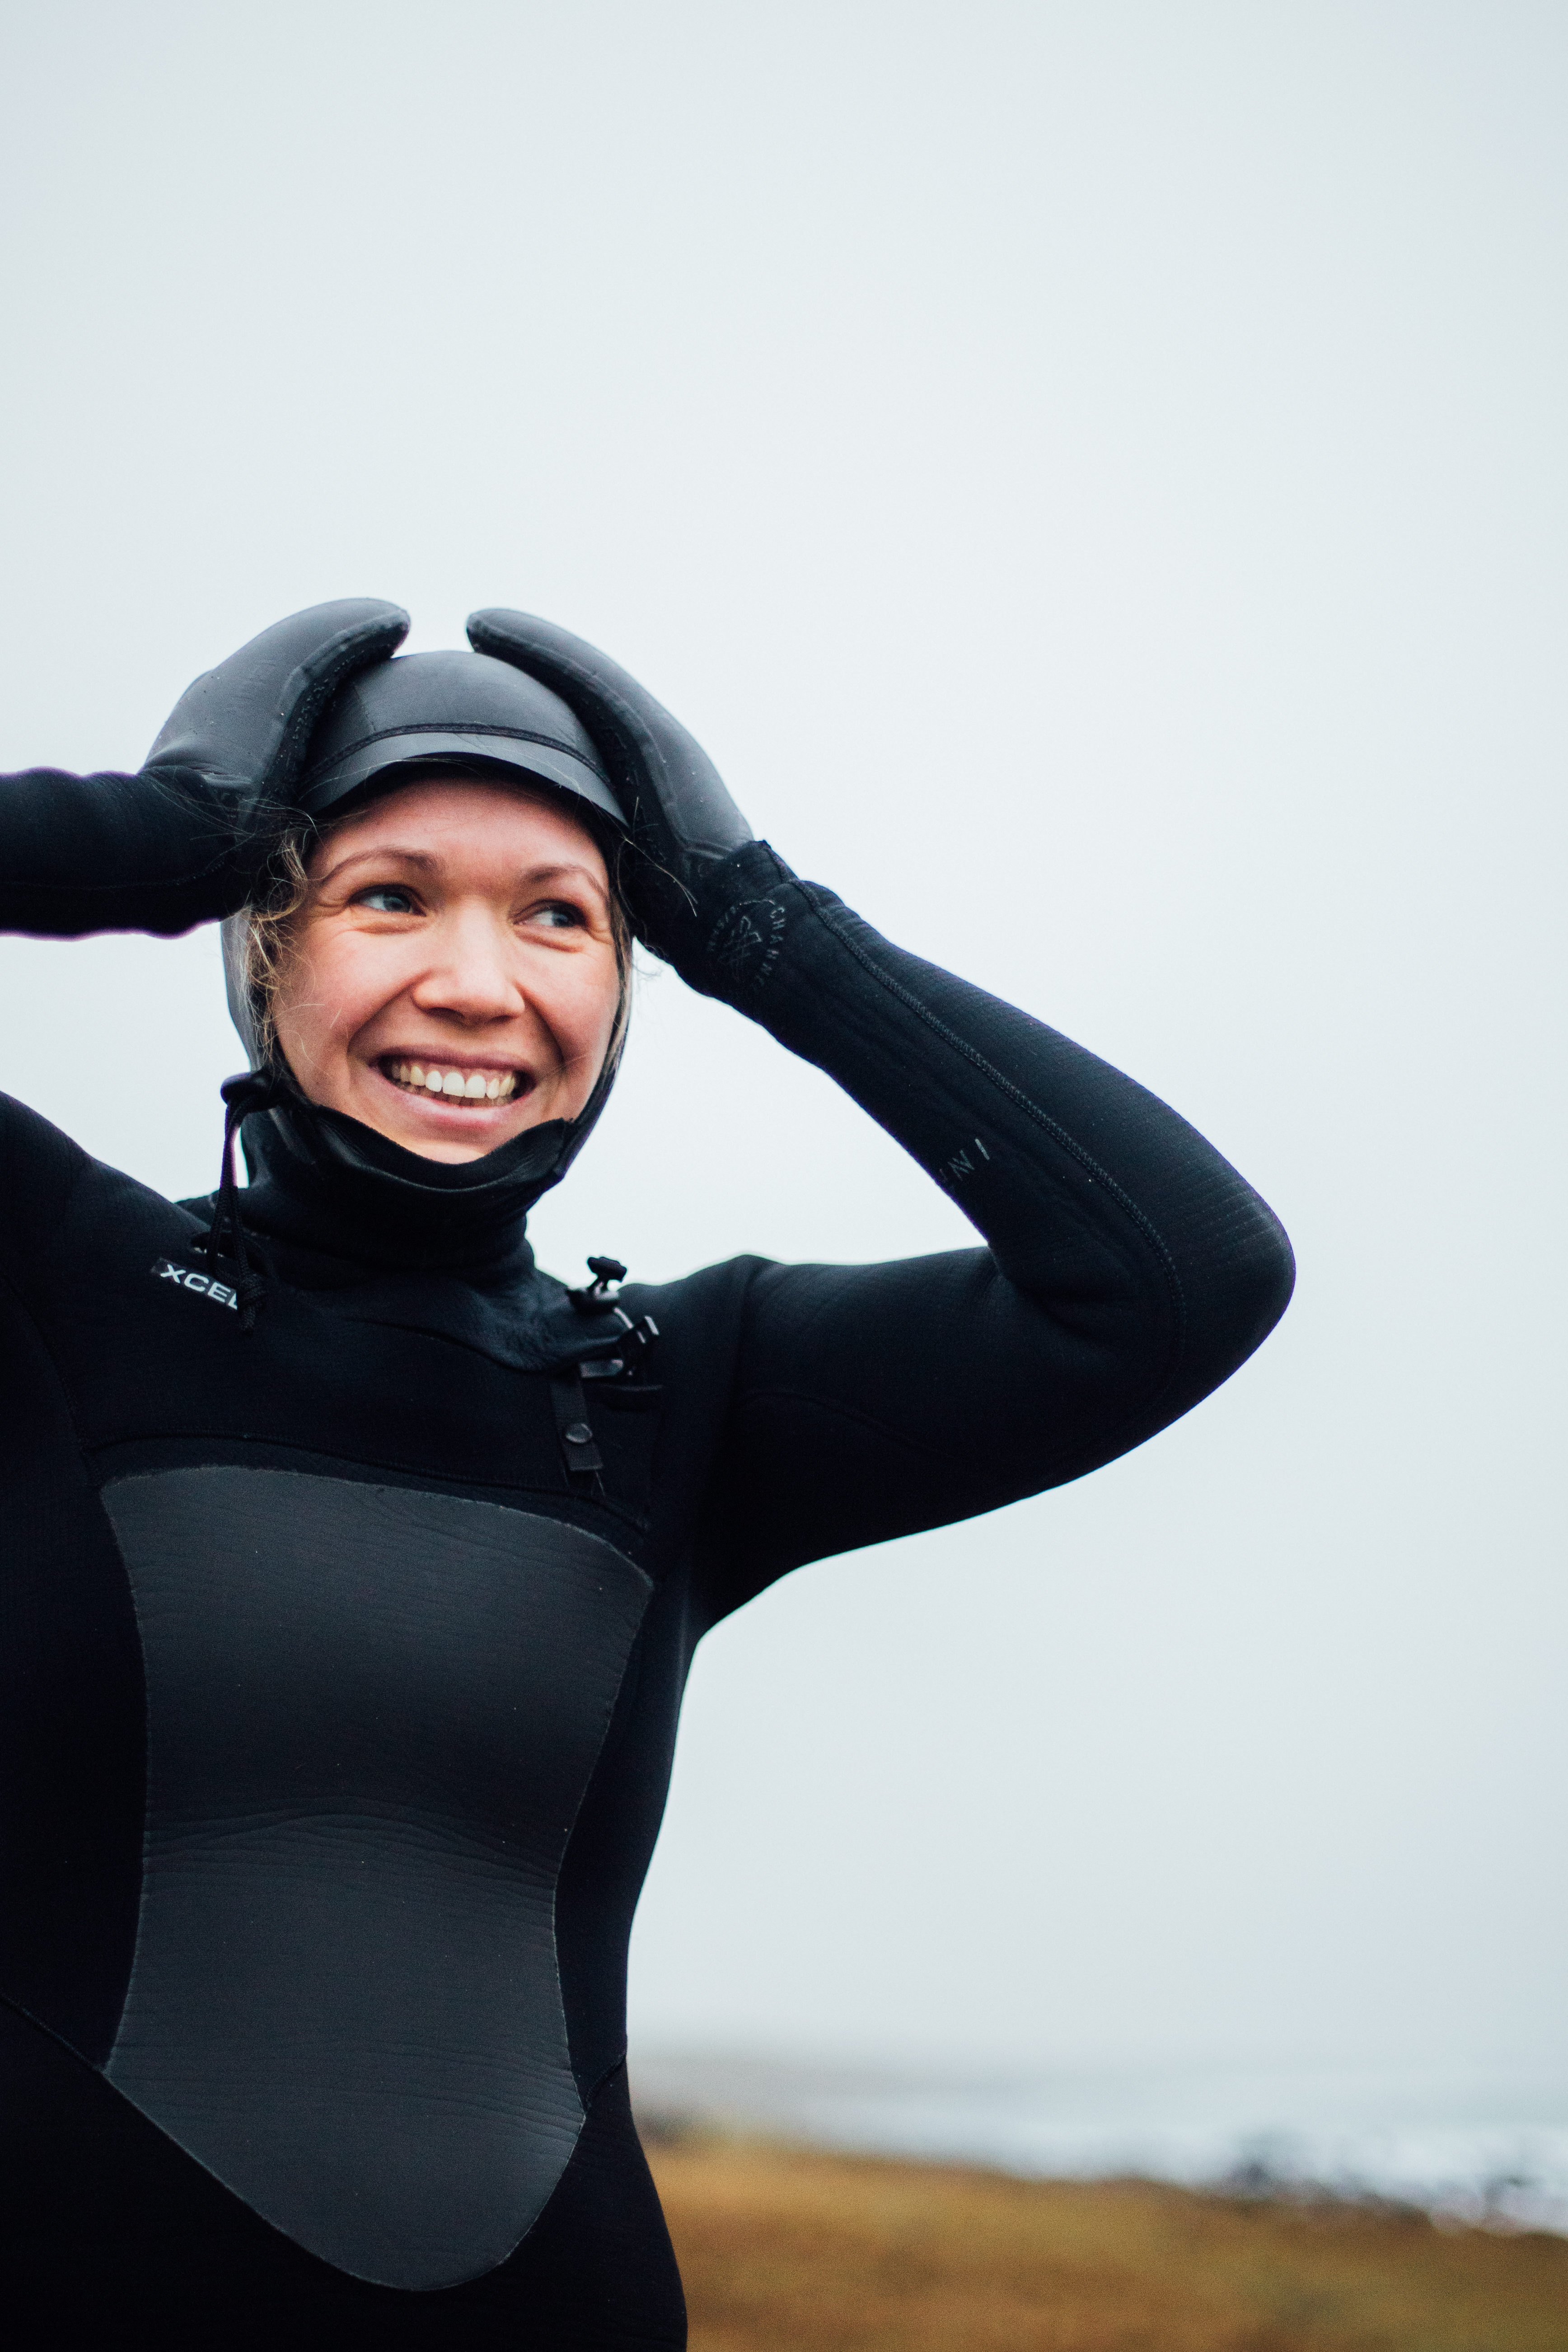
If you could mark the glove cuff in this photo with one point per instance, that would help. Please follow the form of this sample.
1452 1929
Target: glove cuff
738 927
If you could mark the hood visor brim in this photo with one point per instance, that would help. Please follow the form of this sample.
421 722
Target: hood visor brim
511 750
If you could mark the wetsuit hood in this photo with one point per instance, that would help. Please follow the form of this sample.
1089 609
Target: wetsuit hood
430 710
439 709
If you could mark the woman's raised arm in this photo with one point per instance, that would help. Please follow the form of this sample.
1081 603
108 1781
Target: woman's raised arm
1129 1268
182 841
1129 1271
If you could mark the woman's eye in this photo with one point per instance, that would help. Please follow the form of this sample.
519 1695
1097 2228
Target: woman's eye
558 917
389 899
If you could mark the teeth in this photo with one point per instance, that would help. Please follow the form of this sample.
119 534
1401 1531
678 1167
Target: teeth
461 1086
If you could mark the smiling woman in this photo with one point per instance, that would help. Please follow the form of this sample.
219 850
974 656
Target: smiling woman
347 1625
452 969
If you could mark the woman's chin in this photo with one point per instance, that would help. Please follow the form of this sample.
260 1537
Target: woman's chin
460 1148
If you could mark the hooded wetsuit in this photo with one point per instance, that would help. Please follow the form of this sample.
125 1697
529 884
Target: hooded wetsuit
343 1658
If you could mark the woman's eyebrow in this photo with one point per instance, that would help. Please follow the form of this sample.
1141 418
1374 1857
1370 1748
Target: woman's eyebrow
385 849
552 873
556 870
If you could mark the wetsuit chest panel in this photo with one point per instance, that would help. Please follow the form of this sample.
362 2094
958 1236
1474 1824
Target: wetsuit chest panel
371 1716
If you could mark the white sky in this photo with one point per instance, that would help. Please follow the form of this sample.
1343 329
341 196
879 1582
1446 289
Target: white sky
1093 476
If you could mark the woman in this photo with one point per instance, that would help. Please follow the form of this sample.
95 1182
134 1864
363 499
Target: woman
355 1568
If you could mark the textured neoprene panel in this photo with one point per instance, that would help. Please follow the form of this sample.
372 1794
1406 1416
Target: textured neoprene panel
372 1714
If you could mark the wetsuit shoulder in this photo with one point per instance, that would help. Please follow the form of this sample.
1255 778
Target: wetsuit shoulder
1128 1268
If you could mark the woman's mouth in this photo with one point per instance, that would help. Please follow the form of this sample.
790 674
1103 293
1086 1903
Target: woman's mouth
456 1081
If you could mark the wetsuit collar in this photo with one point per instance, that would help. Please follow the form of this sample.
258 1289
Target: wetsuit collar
411 1242
327 1183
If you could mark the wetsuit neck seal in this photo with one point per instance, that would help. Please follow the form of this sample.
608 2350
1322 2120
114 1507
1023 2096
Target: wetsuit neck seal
328 1182
340 1187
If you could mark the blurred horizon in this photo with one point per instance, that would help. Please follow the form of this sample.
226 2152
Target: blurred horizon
1464 2142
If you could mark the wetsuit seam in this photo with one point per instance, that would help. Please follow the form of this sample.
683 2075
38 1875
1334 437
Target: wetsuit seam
1042 1118
615 2066
91 1456
41 2025
583 1354
845 1413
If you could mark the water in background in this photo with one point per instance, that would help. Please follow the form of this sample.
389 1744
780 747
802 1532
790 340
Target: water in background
1473 2143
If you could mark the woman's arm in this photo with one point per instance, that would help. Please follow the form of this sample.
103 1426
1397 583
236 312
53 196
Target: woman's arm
1129 1269
182 841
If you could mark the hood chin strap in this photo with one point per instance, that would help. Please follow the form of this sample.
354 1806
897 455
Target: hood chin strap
251 1090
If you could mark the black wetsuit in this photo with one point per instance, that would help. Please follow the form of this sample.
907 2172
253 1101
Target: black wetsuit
342 1666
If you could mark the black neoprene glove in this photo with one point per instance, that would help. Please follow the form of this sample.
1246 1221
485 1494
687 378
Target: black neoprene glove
695 872
184 839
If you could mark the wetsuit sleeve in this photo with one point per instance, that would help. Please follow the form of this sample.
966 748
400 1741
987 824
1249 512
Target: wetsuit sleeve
1129 1268
117 853
184 839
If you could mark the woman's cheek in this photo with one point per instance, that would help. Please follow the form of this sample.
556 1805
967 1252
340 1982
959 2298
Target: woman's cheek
359 977
593 1017
577 999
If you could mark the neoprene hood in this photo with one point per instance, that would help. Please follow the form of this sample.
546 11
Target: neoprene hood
436 709
447 709
429 710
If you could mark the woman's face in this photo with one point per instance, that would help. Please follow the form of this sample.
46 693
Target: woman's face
452 978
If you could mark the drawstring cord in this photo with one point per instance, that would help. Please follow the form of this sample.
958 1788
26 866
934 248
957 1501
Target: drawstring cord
251 1090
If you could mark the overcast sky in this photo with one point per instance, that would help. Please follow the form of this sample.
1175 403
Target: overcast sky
1093 478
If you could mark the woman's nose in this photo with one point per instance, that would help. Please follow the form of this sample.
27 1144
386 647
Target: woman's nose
471 972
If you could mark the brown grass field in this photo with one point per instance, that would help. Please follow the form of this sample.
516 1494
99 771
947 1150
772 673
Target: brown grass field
795 2250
